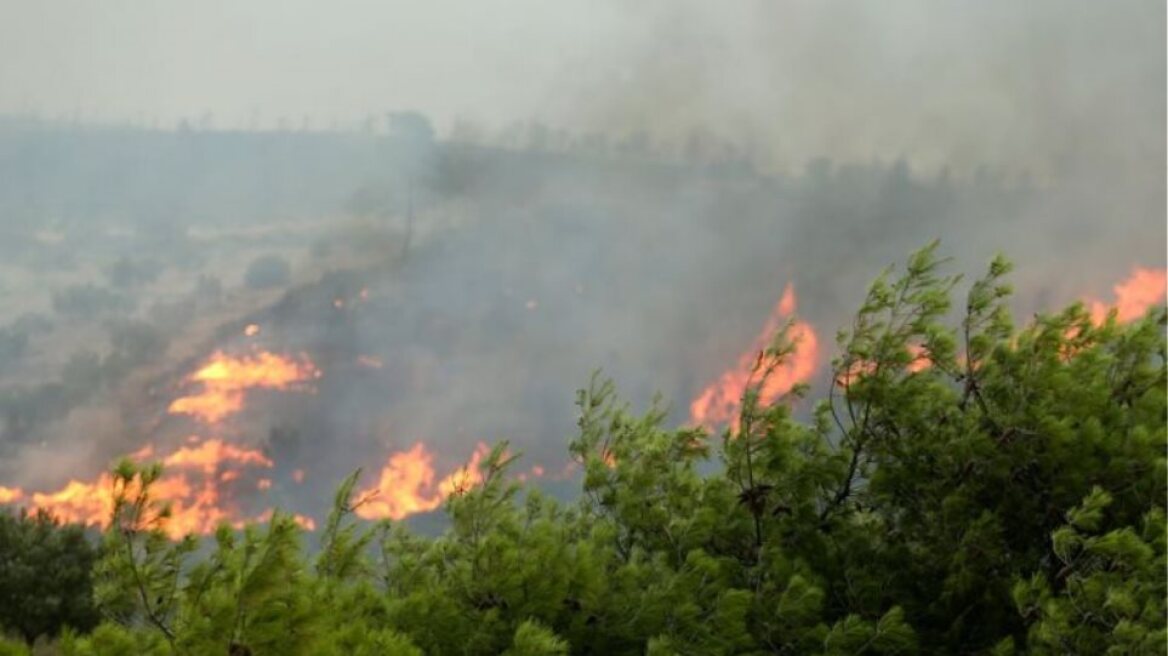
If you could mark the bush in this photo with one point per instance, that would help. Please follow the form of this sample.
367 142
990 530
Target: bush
268 271
126 273
45 576
208 289
133 343
88 301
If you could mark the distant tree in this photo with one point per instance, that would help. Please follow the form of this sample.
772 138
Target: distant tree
511 135
698 143
267 271
132 343
413 127
467 132
88 301
322 247
594 143
126 273
636 144
13 344
45 576
372 200
538 136
172 315
82 375
208 289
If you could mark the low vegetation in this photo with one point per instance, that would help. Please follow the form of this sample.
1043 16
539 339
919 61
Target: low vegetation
267 271
983 488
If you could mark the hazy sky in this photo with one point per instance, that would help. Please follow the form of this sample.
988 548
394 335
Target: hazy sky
1037 84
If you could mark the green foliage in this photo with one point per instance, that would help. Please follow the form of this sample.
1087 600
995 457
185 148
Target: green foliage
972 489
13 647
531 639
45 582
1108 595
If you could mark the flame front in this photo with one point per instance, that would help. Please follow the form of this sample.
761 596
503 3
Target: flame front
200 479
192 485
718 404
408 484
1143 289
10 494
225 379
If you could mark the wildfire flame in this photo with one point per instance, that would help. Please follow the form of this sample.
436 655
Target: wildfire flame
719 402
920 358
409 485
10 494
198 478
862 368
201 477
307 523
536 471
192 485
225 379
1143 288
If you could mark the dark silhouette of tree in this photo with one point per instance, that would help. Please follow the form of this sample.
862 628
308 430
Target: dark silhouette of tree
45 576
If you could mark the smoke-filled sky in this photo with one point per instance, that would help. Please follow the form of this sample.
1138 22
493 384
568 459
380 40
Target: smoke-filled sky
1050 87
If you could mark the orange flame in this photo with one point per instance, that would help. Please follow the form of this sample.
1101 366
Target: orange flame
920 358
1142 289
305 522
209 456
920 361
10 494
225 379
408 484
196 476
190 484
536 471
719 402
